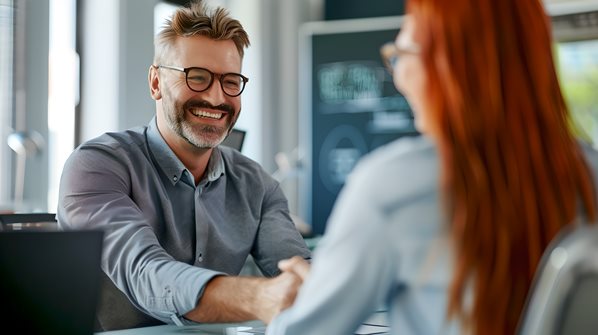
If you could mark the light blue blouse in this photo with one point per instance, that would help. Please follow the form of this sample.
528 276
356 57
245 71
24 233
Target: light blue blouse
384 246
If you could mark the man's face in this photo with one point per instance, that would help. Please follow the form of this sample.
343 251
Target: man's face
203 119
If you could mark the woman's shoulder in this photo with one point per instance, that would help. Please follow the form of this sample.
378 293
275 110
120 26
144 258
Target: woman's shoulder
401 170
404 156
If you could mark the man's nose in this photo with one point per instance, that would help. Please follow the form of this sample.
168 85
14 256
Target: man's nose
214 94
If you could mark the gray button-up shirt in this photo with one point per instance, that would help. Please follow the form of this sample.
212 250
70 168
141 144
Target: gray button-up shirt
165 236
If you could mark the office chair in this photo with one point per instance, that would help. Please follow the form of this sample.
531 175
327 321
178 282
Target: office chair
116 312
564 296
28 221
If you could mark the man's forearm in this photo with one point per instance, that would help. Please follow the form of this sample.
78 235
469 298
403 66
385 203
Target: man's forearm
227 299
236 299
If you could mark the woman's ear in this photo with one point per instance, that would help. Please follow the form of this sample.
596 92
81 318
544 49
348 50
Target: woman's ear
154 83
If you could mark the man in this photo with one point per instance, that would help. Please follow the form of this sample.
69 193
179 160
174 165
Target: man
181 213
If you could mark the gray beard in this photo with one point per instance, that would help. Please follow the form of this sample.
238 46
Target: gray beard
202 137
198 138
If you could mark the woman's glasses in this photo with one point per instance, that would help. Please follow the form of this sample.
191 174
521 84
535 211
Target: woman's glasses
390 54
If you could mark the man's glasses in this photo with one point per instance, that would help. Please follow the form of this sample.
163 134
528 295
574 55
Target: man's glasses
199 79
390 54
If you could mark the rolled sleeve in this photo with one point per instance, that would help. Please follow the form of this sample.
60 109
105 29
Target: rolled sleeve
98 198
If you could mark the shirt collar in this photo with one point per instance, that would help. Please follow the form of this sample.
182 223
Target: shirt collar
171 165
215 165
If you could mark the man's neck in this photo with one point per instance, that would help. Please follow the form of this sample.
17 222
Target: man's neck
195 159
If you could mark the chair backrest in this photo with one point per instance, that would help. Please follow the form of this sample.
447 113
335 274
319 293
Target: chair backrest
28 221
564 296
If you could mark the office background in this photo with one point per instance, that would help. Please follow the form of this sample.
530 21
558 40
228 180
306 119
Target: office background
73 69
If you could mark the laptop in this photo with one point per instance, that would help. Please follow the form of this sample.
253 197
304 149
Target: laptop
49 281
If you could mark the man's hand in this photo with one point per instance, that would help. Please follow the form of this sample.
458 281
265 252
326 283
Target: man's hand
295 265
235 299
280 292
276 295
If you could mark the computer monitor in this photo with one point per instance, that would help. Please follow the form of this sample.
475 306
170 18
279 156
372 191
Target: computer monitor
348 103
235 139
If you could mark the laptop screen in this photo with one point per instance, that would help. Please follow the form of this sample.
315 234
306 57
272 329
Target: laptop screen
49 281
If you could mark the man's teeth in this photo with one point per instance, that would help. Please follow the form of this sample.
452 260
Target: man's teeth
201 113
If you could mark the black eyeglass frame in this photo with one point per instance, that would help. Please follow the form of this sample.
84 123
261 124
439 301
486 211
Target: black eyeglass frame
186 70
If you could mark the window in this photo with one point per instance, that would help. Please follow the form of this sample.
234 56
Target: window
578 71
575 30
38 94
6 99
63 91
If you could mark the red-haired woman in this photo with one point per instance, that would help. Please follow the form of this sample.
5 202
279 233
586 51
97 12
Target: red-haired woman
447 230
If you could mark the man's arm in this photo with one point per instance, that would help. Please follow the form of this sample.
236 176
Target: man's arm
95 194
234 299
277 237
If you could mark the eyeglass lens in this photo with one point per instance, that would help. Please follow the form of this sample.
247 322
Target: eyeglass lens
389 55
200 80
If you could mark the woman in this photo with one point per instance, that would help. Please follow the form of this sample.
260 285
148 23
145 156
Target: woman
447 230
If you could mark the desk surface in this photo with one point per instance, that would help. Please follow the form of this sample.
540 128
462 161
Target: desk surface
376 324
243 328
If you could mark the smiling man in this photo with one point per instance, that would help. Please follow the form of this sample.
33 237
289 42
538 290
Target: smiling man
181 213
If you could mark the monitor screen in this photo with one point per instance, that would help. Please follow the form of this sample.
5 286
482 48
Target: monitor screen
235 139
348 106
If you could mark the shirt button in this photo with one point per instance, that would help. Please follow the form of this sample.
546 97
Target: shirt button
200 258
175 178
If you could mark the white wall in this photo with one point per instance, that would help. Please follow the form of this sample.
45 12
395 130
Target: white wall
117 52
99 67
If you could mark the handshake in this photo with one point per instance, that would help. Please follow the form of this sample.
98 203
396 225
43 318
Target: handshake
280 292
236 299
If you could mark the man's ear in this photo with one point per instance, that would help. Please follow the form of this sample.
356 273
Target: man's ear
154 83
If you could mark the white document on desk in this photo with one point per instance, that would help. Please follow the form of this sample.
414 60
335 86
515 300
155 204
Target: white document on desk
367 329
245 330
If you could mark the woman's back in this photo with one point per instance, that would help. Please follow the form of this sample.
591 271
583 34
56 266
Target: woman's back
507 176
385 246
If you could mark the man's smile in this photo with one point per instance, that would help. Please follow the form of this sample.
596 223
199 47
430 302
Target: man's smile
205 114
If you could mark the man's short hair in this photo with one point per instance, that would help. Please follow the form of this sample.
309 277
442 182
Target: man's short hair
197 19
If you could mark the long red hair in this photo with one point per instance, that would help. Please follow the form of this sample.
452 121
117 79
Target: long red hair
513 173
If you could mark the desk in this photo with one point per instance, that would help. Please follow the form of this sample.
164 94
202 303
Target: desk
376 324
242 328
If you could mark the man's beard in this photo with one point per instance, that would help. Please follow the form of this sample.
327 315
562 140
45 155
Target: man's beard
201 136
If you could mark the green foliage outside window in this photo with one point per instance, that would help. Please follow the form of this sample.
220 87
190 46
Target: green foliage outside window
578 71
